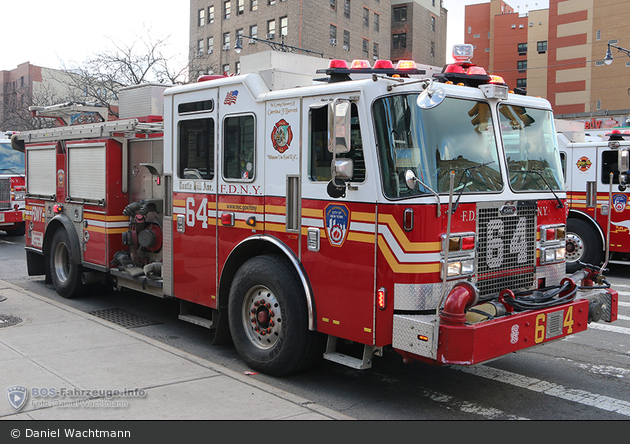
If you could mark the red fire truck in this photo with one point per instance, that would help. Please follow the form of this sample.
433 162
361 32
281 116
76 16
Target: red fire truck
12 187
599 217
373 207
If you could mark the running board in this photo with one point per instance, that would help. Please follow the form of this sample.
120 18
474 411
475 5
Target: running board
184 315
369 351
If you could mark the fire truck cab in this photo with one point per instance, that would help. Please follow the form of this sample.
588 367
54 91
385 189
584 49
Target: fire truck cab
394 210
596 180
12 187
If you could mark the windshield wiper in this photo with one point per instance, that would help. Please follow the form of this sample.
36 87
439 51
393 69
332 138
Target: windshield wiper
467 170
560 204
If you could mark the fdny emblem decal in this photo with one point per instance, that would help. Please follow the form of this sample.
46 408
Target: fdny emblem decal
337 221
583 164
619 202
230 98
281 136
61 178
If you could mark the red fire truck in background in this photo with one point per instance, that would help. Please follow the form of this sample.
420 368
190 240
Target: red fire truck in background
599 217
375 207
12 187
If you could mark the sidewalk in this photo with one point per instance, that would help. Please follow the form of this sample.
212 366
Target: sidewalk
47 345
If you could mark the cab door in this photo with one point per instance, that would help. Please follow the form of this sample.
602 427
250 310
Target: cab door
195 198
338 246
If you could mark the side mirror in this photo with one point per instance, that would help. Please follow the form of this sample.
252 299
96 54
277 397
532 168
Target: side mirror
339 127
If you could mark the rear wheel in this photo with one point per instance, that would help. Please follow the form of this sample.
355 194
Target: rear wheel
269 319
584 244
65 273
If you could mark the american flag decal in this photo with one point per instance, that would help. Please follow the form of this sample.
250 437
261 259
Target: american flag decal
231 97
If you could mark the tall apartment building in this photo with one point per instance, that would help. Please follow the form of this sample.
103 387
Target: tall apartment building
335 29
557 53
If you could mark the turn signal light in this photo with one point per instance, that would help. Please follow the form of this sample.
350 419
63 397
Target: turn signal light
381 298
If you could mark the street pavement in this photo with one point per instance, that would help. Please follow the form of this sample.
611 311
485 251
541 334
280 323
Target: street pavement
58 363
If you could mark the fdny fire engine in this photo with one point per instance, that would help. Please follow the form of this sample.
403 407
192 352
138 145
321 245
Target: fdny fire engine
425 215
12 188
596 175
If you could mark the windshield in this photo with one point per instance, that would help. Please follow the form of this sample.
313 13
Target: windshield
11 161
531 148
457 135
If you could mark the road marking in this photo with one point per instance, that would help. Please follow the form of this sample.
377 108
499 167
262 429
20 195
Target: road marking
623 304
6 242
607 327
606 370
468 407
623 318
549 388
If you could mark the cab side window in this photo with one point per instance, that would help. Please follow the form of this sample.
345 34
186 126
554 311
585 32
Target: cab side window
196 149
609 165
320 158
238 149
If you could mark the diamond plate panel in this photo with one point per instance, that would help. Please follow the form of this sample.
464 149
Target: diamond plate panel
406 332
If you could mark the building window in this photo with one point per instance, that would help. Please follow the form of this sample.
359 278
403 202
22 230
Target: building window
237 68
522 48
253 5
521 65
333 35
210 15
399 41
210 45
271 2
253 32
599 105
199 48
284 25
271 29
227 9
346 40
366 48
400 14
432 23
333 5
226 69
226 41
598 34
377 20
366 17
241 7
201 18
541 47
521 83
346 8
432 49
375 51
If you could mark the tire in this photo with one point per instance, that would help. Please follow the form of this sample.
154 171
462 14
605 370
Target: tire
65 273
268 318
584 244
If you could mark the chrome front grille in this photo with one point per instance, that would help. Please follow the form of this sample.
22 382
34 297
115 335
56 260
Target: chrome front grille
506 255
5 194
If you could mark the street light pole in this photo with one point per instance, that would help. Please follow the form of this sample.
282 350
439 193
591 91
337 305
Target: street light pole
609 58
238 46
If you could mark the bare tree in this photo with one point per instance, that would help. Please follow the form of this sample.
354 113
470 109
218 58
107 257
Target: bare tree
142 61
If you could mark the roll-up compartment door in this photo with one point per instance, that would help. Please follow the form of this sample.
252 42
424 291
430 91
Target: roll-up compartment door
86 171
41 170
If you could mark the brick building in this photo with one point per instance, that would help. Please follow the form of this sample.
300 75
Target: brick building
335 29
557 53
28 85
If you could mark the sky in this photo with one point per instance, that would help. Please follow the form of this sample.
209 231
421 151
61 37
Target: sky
50 33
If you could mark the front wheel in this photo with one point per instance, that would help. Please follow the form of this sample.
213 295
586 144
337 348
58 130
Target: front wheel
584 244
268 318
65 273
